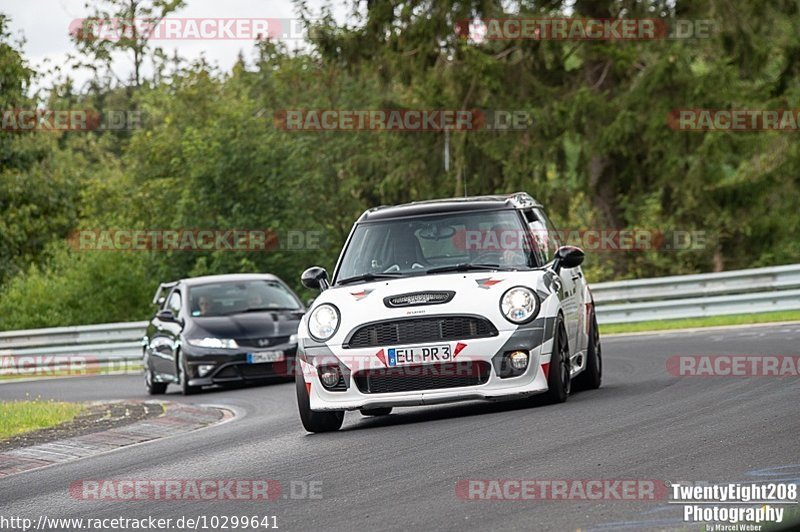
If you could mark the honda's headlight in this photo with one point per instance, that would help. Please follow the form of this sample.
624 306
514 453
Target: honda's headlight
519 304
323 322
213 343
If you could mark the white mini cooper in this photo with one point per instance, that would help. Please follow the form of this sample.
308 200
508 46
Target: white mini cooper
442 301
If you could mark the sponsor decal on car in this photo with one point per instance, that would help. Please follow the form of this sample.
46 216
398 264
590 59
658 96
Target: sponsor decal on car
488 282
361 294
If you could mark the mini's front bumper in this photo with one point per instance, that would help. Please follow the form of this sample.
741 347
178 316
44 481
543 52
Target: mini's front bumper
535 339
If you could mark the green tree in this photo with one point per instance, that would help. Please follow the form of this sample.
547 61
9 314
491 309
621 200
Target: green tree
126 26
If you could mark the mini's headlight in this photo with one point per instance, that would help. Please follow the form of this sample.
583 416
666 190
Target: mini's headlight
519 304
323 322
213 343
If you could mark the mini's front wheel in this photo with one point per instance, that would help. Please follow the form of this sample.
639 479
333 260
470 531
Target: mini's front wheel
592 376
314 421
558 379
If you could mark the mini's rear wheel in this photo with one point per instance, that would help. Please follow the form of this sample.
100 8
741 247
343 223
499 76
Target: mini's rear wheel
314 421
376 411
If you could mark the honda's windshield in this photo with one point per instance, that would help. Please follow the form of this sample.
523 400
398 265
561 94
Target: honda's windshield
237 297
460 241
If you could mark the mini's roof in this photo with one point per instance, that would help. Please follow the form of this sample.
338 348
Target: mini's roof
518 200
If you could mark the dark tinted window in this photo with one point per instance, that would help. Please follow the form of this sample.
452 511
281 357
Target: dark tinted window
220 299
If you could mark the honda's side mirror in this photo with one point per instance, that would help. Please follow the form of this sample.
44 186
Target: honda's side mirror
166 315
316 278
568 257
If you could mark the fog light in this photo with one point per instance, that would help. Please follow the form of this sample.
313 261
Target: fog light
204 369
518 359
329 376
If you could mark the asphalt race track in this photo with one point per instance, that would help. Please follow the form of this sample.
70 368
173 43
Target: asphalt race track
400 472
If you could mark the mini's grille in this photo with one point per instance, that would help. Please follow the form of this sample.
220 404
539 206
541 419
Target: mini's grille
420 330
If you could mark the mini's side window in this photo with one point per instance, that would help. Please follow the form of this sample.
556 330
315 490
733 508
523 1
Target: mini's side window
174 302
538 233
544 233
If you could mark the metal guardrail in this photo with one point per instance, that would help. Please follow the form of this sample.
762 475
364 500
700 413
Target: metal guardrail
71 348
684 296
690 296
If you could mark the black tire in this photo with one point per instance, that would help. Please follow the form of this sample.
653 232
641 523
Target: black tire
558 379
376 411
314 421
184 381
592 376
153 387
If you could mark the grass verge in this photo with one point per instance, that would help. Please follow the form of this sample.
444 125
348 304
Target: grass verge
17 417
710 321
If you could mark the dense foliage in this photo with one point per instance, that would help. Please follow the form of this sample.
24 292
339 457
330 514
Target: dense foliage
598 153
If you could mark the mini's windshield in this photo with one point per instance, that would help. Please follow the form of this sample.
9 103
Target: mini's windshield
460 241
226 298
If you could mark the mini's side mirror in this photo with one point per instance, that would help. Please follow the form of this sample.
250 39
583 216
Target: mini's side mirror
166 315
315 277
568 257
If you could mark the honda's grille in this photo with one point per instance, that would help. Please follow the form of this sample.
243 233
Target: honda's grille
422 377
262 342
420 330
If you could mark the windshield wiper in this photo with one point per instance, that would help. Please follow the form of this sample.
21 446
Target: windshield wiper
269 309
465 267
260 309
368 277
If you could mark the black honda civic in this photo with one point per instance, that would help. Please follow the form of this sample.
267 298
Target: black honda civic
221 329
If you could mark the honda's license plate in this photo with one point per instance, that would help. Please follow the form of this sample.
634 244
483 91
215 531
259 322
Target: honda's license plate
264 356
403 356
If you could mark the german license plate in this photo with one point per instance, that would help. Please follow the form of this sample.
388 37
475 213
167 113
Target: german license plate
264 356
404 356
